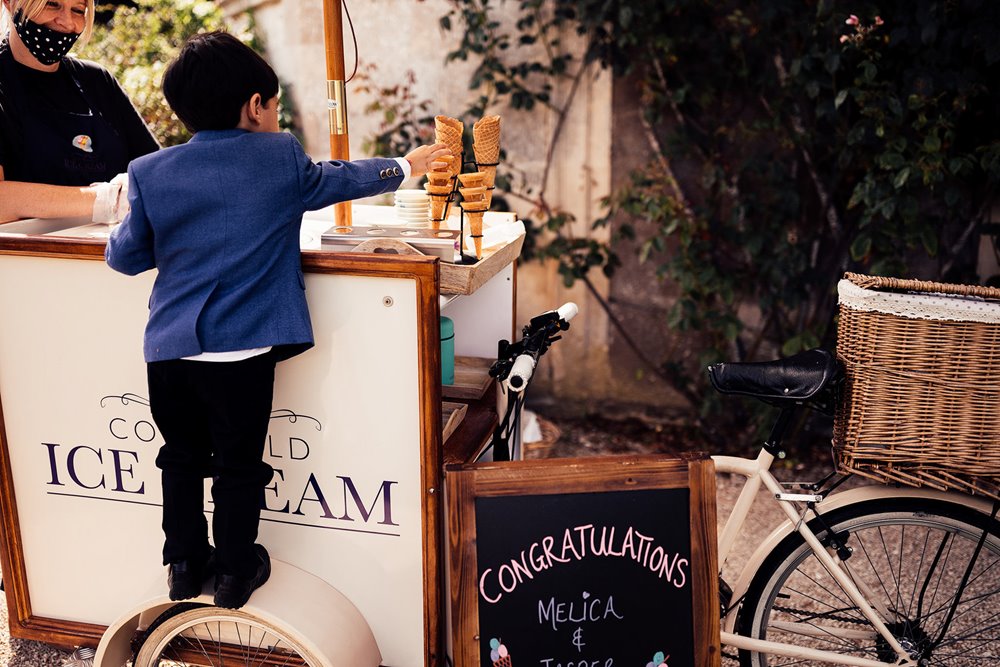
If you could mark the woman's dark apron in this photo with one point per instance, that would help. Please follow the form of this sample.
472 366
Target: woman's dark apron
62 147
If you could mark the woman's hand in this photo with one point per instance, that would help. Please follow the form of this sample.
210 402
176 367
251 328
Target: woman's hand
422 159
111 202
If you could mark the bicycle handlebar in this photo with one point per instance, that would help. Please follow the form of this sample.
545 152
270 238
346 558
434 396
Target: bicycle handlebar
567 311
520 373
516 362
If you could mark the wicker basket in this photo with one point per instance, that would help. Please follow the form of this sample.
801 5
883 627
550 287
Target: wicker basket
921 402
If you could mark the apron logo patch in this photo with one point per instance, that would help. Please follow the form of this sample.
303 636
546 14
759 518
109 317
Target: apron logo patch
84 143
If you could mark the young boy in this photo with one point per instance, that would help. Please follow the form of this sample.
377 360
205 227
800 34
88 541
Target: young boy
219 219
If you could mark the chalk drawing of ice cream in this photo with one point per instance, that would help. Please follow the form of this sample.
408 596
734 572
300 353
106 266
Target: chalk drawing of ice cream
659 660
499 654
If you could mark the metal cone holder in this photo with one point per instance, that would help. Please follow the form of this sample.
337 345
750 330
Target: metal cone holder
453 196
465 259
478 166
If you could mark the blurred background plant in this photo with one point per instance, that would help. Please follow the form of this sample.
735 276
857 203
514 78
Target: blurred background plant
786 143
136 40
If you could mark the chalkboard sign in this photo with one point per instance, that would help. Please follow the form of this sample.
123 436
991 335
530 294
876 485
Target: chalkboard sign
602 562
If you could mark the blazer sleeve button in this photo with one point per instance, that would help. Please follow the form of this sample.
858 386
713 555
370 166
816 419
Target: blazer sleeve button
381 174
396 171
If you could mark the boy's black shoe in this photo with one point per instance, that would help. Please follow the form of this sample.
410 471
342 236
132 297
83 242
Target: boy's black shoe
233 592
186 578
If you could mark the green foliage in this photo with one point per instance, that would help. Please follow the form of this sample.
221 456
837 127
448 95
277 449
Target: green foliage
141 39
788 142
137 45
406 121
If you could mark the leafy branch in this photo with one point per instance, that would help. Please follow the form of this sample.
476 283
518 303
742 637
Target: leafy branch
786 143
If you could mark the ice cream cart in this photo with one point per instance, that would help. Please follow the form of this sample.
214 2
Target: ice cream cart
381 551
359 433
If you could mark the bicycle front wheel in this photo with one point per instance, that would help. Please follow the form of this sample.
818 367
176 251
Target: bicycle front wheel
908 557
194 635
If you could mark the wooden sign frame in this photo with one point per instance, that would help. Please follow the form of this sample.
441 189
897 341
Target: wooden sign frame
464 484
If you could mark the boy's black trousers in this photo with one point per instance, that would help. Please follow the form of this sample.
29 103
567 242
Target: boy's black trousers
213 417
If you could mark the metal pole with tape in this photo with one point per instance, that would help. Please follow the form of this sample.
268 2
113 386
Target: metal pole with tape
336 103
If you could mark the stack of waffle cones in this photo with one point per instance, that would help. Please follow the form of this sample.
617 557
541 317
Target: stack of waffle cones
486 146
475 202
439 186
440 180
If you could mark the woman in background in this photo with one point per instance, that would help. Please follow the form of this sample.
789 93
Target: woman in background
67 129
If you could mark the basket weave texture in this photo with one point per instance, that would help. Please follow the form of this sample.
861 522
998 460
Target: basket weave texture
921 402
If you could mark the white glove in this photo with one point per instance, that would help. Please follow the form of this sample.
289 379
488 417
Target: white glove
111 202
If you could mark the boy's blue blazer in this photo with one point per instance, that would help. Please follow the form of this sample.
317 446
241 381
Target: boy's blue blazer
219 218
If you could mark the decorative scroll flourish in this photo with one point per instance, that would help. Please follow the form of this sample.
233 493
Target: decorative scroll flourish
127 398
292 417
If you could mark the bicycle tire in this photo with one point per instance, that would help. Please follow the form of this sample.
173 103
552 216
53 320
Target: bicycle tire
911 553
196 635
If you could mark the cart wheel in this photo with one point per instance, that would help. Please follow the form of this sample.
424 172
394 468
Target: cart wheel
191 634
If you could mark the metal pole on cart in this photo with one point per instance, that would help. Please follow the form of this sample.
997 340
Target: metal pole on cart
336 94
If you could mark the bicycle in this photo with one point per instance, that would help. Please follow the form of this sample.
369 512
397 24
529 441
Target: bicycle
869 577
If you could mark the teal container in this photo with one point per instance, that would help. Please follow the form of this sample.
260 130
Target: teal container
447 351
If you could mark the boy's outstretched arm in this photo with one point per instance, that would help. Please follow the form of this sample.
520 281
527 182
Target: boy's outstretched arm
130 247
422 158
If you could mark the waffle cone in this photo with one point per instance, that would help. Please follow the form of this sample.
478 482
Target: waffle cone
451 166
486 145
440 190
448 131
439 178
502 662
438 205
486 139
473 195
474 179
476 231
489 181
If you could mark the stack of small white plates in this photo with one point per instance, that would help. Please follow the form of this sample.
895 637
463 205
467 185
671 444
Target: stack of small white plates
412 207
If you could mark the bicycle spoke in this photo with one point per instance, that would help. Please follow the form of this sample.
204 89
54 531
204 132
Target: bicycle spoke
190 635
972 581
793 590
977 629
874 568
201 646
916 578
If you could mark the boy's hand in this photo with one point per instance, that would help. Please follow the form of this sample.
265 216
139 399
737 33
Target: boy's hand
422 159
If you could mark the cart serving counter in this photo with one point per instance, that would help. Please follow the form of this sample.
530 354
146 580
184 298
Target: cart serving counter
353 516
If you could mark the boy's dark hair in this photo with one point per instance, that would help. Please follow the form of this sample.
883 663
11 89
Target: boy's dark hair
211 79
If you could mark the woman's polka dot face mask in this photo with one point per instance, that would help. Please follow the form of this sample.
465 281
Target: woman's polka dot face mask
48 46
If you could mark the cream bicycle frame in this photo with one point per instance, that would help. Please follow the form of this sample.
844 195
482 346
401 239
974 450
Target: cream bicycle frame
757 473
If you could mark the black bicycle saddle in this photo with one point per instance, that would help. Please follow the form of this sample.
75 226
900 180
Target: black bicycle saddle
797 378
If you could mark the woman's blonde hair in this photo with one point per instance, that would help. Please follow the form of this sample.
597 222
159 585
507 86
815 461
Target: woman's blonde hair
32 8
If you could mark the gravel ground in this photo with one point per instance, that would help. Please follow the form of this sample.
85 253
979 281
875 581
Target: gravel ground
561 438
20 653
